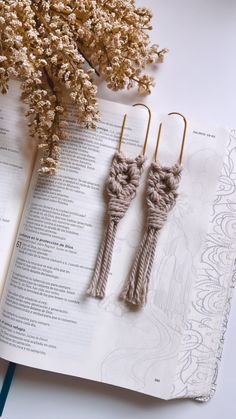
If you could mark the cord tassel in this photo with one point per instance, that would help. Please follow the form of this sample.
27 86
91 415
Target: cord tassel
99 281
162 188
121 187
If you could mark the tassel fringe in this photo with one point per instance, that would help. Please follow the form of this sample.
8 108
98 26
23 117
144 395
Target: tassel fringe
136 288
103 264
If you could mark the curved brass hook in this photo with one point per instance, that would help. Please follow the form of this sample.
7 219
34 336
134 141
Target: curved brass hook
147 131
183 138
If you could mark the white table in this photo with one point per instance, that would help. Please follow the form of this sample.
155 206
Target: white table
198 78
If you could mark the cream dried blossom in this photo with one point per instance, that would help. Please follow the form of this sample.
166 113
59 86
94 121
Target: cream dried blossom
51 44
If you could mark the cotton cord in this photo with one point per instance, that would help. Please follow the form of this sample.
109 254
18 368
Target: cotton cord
162 185
121 188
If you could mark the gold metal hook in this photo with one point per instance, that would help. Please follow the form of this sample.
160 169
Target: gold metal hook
183 138
147 131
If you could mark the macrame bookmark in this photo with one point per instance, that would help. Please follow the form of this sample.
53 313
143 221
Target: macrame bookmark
121 188
122 184
162 186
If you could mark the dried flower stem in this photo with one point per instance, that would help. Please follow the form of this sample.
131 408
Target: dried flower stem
48 44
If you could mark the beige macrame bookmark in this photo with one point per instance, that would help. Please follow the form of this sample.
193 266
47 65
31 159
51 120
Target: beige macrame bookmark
162 186
121 188
122 184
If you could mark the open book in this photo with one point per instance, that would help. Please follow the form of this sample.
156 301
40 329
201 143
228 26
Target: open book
50 232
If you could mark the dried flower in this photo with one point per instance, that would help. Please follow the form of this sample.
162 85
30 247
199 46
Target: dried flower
48 44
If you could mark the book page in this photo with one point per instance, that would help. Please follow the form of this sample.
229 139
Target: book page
47 320
210 299
16 159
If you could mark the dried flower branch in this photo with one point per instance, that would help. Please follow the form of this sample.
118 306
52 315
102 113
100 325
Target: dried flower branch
48 44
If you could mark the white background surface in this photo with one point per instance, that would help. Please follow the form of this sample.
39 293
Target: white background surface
198 78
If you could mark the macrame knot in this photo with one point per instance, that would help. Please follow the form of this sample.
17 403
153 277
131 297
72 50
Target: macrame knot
161 193
117 208
121 188
122 184
161 197
156 219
